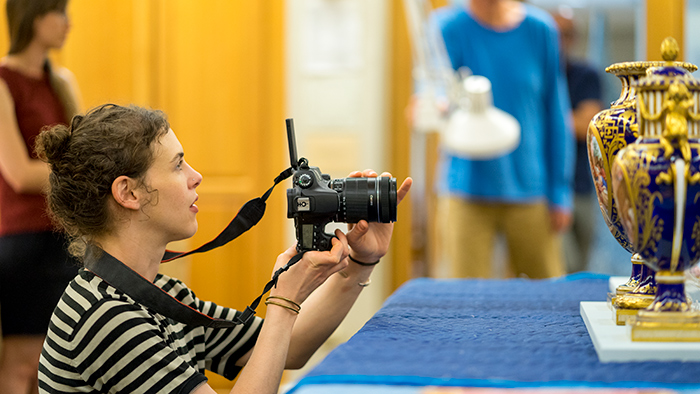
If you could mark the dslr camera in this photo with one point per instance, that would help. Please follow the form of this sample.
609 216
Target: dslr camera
314 200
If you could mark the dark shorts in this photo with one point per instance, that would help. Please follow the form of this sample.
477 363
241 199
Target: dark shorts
34 271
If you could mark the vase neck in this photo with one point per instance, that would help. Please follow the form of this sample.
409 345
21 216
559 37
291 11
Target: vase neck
628 95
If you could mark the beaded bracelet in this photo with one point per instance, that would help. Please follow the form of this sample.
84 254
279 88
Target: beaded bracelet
363 263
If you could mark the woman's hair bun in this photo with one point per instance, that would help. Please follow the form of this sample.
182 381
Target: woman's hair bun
52 143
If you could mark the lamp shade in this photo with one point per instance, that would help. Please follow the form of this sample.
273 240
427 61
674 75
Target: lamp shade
476 129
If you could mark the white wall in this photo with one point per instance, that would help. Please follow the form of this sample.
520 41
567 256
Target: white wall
692 38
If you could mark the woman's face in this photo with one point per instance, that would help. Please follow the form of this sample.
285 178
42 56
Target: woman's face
51 29
172 183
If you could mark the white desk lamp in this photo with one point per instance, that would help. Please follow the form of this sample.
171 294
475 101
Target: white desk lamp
478 130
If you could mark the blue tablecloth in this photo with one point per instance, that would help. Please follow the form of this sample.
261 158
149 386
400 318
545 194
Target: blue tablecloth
489 333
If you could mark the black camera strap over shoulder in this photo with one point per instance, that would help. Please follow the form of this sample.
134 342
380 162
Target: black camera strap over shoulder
248 216
146 293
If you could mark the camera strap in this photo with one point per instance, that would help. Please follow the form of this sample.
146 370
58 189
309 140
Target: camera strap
248 216
146 293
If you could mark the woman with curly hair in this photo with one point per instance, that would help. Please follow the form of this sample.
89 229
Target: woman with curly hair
122 189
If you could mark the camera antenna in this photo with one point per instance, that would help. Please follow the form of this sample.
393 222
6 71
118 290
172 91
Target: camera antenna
291 140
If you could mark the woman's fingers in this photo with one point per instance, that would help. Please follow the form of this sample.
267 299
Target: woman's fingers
368 173
333 257
403 189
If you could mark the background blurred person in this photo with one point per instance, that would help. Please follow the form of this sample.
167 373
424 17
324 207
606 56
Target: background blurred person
586 101
525 195
34 266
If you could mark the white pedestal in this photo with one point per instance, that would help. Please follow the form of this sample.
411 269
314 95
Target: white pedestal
613 343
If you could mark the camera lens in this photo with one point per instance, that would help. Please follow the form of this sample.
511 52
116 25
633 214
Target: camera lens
371 199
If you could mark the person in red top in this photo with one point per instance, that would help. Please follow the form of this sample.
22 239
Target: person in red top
33 94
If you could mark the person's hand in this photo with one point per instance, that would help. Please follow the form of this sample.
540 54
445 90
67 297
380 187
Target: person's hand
370 241
561 219
311 271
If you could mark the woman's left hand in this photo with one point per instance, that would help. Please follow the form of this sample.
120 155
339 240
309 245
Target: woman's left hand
370 241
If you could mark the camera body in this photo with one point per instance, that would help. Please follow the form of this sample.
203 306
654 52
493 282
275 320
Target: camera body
312 204
314 200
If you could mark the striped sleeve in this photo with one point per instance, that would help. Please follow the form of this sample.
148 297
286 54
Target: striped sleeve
221 347
224 346
109 345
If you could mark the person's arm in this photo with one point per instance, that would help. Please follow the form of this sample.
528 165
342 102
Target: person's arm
23 173
263 372
267 360
582 115
586 98
323 312
326 308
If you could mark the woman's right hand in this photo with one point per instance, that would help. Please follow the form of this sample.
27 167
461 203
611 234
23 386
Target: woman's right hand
266 361
311 271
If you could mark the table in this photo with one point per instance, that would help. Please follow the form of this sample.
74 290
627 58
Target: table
514 333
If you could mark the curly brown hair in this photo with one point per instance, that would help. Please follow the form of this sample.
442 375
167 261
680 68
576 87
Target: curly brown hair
86 158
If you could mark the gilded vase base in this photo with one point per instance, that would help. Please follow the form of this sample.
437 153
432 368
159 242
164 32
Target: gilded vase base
650 326
627 287
623 289
627 305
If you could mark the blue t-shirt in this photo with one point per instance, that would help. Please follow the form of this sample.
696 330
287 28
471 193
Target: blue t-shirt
523 65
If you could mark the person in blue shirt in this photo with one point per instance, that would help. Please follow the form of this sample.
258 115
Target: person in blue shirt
585 93
525 195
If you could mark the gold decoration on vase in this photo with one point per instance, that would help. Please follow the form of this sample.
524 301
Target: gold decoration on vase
656 184
610 131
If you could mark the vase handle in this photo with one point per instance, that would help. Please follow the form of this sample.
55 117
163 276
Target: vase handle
680 195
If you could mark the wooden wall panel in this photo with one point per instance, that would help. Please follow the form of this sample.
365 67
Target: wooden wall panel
100 50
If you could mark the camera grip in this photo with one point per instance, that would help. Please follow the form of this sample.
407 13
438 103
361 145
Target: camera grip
312 236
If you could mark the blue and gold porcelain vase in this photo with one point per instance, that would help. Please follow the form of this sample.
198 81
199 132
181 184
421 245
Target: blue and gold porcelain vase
656 187
609 131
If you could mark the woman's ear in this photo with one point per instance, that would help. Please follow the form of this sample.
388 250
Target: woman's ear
125 194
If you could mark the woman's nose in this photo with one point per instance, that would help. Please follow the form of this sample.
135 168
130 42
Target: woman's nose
196 178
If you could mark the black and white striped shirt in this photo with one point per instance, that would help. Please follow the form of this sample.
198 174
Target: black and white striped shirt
101 340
